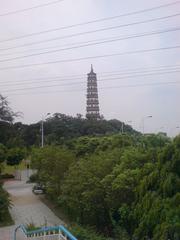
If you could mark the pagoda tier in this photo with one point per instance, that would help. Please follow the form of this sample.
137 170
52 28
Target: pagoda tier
92 109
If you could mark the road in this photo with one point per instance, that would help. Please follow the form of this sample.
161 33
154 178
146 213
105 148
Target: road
26 208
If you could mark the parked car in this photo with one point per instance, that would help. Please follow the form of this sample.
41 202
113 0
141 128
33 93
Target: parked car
38 189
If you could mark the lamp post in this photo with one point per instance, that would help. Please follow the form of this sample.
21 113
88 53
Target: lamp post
122 126
42 129
178 127
143 121
172 130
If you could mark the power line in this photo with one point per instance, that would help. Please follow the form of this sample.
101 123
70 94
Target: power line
142 85
93 31
49 47
93 21
95 41
58 79
105 74
30 8
104 88
90 57
93 44
83 82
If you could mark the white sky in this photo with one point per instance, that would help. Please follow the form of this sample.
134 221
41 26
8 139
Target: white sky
125 103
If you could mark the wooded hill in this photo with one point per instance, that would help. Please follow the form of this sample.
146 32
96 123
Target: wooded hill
58 128
120 186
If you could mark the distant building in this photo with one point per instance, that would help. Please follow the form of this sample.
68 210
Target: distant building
92 109
162 134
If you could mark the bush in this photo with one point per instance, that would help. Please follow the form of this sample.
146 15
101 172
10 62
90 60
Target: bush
32 227
5 218
6 176
15 156
33 178
82 233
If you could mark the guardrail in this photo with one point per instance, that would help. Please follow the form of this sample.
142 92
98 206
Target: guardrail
44 233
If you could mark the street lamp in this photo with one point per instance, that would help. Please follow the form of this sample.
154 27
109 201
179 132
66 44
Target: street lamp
42 129
143 121
122 126
172 130
178 127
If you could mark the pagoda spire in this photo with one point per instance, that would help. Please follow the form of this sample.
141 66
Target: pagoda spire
92 68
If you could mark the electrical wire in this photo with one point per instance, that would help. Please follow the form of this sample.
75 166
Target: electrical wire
92 41
90 57
83 82
105 74
93 31
103 88
30 8
93 21
59 79
93 44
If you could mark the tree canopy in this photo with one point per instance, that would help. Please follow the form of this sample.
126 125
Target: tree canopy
116 185
112 184
6 113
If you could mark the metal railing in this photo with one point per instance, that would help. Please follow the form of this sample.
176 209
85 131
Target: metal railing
45 233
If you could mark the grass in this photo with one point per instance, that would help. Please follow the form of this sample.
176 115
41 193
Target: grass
11 169
32 227
56 209
7 221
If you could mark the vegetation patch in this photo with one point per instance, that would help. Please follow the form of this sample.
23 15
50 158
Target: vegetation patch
7 221
120 187
5 217
32 226
86 233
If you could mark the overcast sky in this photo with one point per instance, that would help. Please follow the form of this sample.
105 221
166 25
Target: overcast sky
144 83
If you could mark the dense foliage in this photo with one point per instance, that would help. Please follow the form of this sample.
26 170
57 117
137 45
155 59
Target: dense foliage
125 187
15 155
112 185
6 117
4 204
57 129
6 113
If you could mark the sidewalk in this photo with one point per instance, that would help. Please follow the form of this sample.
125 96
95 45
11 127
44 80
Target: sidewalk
27 208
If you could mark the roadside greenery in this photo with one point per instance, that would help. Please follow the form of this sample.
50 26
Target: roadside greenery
57 130
111 185
120 186
85 233
6 118
5 218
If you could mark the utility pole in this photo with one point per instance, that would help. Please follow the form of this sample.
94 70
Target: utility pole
143 122
122 128
42 129
42 133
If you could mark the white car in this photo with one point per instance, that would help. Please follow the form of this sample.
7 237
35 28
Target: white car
38 189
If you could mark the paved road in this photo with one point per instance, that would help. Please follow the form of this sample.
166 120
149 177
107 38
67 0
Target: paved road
27 208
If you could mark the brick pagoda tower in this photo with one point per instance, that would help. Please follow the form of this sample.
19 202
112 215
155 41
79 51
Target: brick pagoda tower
92 109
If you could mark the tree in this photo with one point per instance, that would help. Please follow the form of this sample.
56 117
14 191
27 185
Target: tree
4 204
6 113
52 164
156 209
6 118
2 153
2 156
15 156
